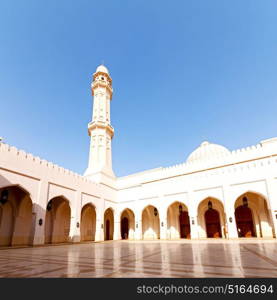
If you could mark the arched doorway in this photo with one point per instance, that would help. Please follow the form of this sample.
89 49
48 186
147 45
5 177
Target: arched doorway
253 218
57 221
127 224
211 219
15 216
178 223
150 223
88 223
109 224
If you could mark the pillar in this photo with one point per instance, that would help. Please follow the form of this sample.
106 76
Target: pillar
230 213
39 214
138 225
116 230
75 222
163 221
272 207
99 230
193 226
192 211
231 224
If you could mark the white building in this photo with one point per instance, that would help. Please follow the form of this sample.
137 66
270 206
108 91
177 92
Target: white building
216 193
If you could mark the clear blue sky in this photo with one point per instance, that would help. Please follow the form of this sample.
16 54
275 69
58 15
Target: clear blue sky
183 72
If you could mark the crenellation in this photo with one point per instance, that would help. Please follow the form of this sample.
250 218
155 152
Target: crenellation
30 156
37 159
21 153
13 150
44 162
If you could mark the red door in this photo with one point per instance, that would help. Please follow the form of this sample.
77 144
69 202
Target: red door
184 225
244 221
212 223
124 228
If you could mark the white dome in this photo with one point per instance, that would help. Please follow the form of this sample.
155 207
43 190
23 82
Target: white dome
207 151
102 69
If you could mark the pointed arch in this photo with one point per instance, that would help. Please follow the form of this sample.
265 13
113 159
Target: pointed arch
150 223
127 224
253 217
88 222
211 218
57 220
178 222
108 224
15 216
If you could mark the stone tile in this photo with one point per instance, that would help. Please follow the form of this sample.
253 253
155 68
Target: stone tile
209 258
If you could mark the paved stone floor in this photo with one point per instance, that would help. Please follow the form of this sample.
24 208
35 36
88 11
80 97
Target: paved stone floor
205 258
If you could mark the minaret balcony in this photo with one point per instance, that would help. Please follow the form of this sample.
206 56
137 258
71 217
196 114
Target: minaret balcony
100 124
101 83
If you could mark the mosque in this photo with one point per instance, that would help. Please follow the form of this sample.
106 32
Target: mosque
216 193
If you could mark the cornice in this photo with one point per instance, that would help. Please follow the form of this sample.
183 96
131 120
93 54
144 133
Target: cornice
99 124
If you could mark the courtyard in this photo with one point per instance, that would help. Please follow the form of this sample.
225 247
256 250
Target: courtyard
115 259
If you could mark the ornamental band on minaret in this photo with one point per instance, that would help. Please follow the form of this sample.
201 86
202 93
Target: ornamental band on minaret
99 129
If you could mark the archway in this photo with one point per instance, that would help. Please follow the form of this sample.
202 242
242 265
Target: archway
88 223
15 216
150 223
127 224
211 219
178 223
57 221
252 216
108 224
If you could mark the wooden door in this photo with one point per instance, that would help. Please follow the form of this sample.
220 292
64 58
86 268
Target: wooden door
212 224
244 220
184 225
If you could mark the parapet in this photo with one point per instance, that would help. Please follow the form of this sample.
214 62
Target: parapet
251 156
36 162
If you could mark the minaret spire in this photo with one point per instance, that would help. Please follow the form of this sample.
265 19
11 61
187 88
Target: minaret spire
99 129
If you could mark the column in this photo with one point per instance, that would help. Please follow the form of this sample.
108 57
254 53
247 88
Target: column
230 213
116 229
39 214
192 210
99 230
272 207
231 224
163 222
74 233
138 225
193 226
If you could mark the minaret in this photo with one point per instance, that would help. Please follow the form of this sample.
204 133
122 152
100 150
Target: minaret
99 129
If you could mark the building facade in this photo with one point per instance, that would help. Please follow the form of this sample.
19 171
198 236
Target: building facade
216 193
